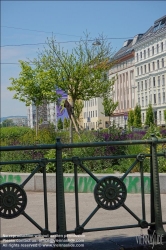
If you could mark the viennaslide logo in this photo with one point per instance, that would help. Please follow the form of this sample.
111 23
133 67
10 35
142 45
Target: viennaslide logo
149 239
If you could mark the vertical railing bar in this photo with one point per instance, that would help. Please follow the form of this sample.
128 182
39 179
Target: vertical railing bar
76 195
156 188
142 191
45 197
152 215
60 196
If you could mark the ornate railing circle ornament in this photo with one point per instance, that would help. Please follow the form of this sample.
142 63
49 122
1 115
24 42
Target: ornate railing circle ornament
13 200
110 193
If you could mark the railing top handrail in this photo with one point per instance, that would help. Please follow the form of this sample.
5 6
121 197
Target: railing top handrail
58 144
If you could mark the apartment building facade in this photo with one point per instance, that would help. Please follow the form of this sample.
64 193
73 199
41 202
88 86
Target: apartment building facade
150 70
124 91
47 112
93 117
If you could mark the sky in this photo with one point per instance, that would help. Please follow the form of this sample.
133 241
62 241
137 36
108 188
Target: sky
31 22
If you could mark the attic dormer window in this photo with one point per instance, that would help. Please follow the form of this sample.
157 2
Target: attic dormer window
159 24
156 26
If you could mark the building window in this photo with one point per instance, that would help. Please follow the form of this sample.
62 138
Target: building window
154 98
142 86
153 65
162 47
145 84
142 101
160 116
149 67
158 64
159 98
140 55
137 57
163 97
143 117
163 80
138 87
145 69
93 113
158 81
152 50
154 82
148 52
157 48
162 62
141 70
146 100
138 71
144 54
96 113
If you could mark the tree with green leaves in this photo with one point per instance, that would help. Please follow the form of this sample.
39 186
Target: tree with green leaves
164 115
33 86
66 123
137 117
130 120
82 73
109 106
60 124
8 123
149 115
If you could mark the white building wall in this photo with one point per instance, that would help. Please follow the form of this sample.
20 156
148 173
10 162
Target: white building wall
31 113
124 90
52 113
150 76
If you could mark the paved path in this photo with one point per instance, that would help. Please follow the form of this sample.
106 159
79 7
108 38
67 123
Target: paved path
106 240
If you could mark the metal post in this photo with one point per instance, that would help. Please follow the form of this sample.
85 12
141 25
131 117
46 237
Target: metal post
152 228
156 189
60 197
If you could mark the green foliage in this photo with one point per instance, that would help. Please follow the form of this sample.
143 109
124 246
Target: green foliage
66 123
149 115
11 135
137 117
78 109
164 115
126 163
153 129
8 123
81 72
33 84
60 124
130 118
109 106
26 136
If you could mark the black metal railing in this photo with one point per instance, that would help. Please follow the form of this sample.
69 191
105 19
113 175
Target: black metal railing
110 192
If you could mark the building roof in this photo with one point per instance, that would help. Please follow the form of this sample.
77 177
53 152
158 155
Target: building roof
155 30
127 47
